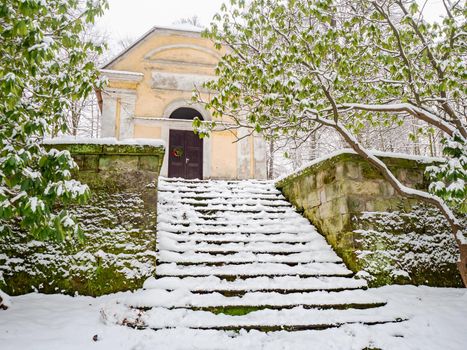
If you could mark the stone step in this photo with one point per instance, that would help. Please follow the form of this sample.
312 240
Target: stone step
238 209
218 185
229 193
282 284
224 204
233 238
271 223
228 198
150 298
253 217
228 190
210 195
227 248
210 181
234 216
255 269
295 319
282 228
244 257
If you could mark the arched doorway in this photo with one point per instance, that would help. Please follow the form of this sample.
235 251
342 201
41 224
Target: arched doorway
185 148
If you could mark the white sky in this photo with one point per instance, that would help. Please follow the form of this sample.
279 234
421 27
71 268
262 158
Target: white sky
132 18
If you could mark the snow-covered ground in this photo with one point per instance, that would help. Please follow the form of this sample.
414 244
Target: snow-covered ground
438 320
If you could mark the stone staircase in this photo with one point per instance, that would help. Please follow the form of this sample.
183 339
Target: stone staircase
235 255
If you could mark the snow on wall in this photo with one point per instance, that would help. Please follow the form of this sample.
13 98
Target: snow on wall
119 223
118 249
395 242
407 247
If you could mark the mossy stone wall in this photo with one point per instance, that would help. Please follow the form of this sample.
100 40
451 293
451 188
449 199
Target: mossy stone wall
340 194
119 223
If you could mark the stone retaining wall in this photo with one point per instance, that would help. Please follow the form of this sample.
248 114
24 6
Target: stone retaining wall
384 237
119 223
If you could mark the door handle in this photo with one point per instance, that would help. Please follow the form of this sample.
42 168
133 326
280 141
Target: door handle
187 160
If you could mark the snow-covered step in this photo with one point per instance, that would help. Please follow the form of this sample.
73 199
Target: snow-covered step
238 209
227 195
229 192
234 201
258 247
182 299
231 238
199 226
242 206
210 192
254 269
245 257
276 223
237 229
235 186
277 284
254 217
218 184
236 255
294 319
199 194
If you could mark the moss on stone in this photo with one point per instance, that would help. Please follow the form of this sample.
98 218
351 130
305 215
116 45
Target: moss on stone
234 310
336 205
119 223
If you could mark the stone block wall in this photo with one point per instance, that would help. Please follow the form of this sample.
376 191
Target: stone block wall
373 229
119 224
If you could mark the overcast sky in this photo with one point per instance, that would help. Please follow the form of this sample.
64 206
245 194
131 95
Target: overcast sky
132 18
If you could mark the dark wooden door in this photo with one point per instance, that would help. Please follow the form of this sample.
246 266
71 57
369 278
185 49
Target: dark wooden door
186 155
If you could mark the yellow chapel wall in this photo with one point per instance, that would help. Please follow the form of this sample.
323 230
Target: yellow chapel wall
186 54
186 60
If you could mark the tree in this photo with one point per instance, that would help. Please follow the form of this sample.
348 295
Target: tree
125 42
83 117
44 66
296 65
193 20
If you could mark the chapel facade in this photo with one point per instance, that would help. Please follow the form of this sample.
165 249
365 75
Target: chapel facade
148 95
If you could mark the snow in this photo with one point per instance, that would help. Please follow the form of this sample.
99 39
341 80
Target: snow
34 202
253 269
5 300
458 185
104 141
161 317
121 72
436 321
109 222
189 257
381 252
179 298
185 27
375 153
292 283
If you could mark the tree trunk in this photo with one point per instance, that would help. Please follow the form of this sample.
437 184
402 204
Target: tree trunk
271 160
462 264
313 147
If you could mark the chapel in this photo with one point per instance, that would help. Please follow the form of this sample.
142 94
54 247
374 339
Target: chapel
149 95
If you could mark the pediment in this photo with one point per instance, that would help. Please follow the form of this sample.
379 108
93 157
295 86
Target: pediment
183 54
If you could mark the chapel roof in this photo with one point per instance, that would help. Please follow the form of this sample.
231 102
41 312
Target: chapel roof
181 29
